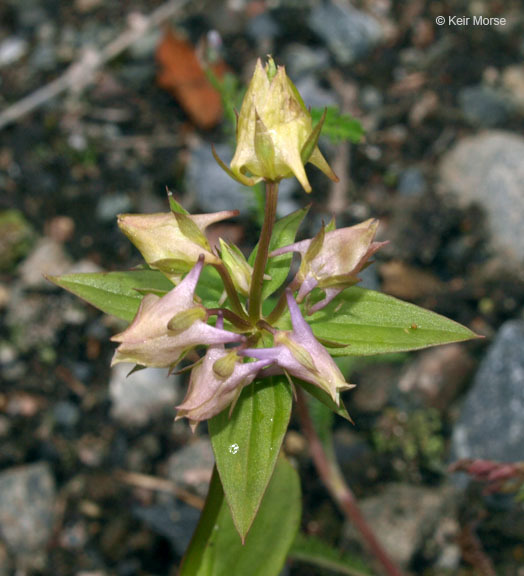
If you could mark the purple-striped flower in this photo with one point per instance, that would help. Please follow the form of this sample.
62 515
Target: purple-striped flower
216 382
300 354
332 260
166 327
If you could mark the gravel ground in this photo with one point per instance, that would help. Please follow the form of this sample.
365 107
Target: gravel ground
83 450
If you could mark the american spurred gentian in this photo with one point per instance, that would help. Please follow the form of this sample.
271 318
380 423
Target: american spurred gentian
166 327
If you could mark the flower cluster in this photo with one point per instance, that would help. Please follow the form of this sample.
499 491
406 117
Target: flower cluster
275 139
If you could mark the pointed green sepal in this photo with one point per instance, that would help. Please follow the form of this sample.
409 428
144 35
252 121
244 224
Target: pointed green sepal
191 231
312 141
241 178
175 206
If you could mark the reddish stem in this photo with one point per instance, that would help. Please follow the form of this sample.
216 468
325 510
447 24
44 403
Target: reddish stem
341 493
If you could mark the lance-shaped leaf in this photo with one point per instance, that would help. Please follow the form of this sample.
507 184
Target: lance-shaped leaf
120 293
149 341
115 293
366 322
216 549
246 445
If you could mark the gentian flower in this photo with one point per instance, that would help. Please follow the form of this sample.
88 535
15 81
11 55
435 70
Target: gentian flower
166 327
300 354
216 382
172 242
332 260
275 135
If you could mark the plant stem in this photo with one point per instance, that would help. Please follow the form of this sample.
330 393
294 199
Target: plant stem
230 290
281 305
240 322
341 493
255 294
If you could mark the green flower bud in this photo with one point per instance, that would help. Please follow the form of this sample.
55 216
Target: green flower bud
275 135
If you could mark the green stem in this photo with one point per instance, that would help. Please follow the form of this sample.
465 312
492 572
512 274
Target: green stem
230 290
257 281
281 305
240 322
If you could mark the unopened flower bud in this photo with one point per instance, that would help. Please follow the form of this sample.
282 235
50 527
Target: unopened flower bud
333 259
172 242
237 266
275 135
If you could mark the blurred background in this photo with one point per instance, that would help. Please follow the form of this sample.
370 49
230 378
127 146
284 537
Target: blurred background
95 477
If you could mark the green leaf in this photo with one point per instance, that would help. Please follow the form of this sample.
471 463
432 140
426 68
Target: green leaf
370 322
338 127
284 233
115 293
216 550
325 399
246 445
210 287
314 551
120 293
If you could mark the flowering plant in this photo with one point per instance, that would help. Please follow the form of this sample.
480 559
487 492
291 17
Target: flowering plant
281 340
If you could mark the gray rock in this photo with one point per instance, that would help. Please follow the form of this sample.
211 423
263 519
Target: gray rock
404 517
66 414
47 257
263 27
34 322
313 94
412 183
436 376
142 395
12 49
44 58
31 14
27 495
111 205
191 467
354 455
484 105
488 169
213 188
490 424
348 33
371 99
301 60
174 521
